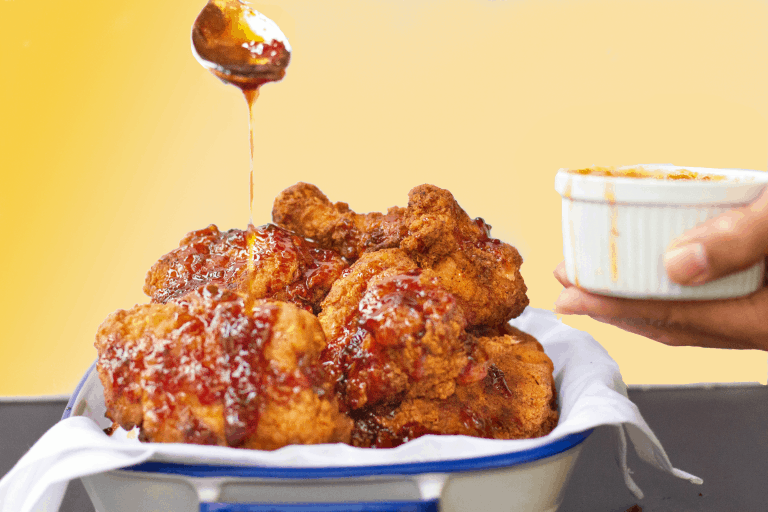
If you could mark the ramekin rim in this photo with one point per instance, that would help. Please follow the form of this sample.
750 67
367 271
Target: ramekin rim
653 182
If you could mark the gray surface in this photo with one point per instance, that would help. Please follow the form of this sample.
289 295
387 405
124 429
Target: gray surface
719 434
21 425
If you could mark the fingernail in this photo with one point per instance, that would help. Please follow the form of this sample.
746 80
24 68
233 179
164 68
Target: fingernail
687 264
569 302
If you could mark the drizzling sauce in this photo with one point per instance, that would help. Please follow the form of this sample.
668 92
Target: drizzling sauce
250 98
244 48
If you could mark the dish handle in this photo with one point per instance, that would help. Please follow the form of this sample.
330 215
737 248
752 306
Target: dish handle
371 506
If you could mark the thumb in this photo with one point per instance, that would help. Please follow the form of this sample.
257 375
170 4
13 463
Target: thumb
730 242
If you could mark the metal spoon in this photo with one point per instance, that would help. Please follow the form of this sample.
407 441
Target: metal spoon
239 45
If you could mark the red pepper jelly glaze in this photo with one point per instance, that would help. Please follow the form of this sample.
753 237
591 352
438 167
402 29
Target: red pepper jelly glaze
287 267
242 367
405 330
263 262
482 240
184 362
205 256
505 391
479 409
369 432
165 361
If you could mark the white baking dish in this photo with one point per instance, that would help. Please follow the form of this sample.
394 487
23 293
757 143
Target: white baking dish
528 481
453 473
616 229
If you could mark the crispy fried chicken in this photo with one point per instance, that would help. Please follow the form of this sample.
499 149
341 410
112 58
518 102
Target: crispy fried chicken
305 210
505 392
483 273
405 365
264 262
392 331
210 368
410 338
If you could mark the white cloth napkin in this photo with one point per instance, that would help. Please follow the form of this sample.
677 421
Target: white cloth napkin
591 393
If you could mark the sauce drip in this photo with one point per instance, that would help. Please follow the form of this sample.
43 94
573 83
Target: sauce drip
250 98
481 239
567 195
249 371
610 196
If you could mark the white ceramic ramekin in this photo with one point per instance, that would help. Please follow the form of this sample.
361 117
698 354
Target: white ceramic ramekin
616 229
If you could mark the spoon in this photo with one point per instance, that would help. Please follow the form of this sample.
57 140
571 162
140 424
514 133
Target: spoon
239 45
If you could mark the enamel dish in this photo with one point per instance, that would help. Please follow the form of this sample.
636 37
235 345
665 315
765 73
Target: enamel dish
527 481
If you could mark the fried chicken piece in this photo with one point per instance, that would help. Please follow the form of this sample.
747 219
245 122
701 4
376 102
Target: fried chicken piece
303 208
392 331
347 292
211 368
506 392
483 273
263 262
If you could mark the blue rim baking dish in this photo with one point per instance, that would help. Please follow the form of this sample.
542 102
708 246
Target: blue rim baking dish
529 480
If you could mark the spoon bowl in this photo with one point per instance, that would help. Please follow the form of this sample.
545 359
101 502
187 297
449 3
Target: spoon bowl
239 45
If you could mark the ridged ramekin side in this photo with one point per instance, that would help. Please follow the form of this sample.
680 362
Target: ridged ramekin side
617 249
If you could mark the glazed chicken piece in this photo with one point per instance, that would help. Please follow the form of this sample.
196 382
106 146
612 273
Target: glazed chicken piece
214 368
264 262
482 273
392 332
507 392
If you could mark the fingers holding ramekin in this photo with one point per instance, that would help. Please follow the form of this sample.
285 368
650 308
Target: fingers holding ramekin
736 323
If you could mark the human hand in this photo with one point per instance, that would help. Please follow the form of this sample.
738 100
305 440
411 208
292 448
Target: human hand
728 243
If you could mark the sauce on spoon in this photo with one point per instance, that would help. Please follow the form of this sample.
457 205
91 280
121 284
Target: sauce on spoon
241 47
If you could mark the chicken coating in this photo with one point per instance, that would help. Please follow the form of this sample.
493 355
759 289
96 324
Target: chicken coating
347 292
392 332
304 209
483 273
410 338
264 262
506 392
212 368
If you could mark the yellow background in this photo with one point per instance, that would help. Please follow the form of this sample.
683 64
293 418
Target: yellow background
115 142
